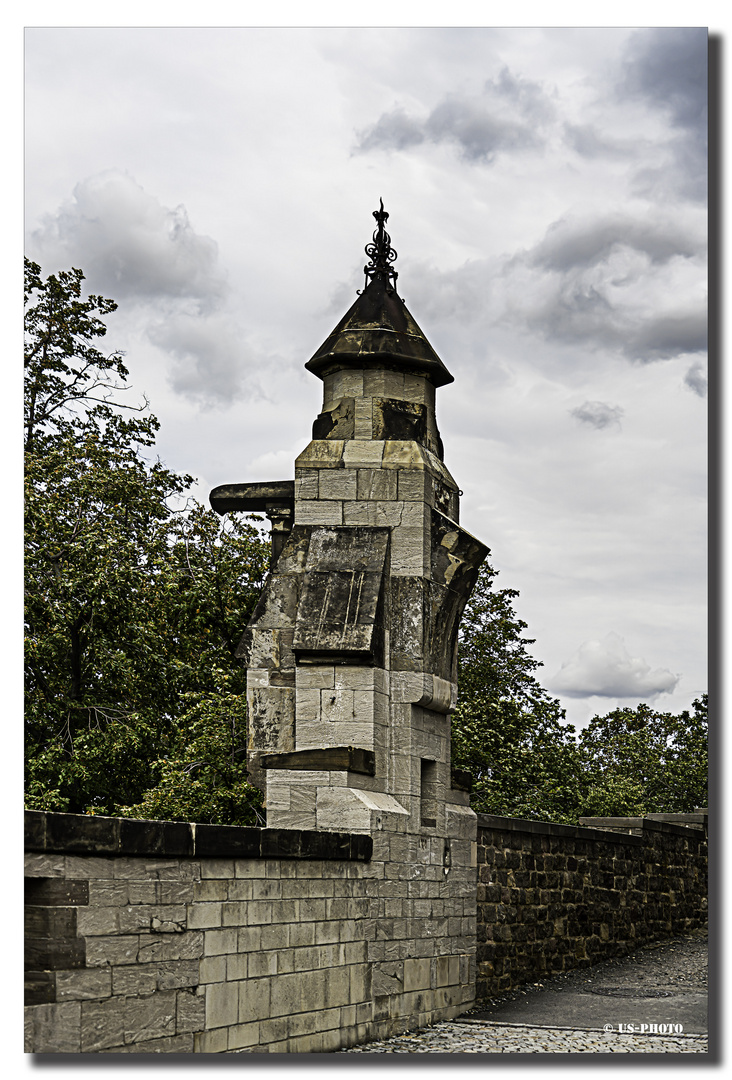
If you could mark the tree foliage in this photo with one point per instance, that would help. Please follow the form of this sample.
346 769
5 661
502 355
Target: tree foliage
527 762
134 600
641 761
507 731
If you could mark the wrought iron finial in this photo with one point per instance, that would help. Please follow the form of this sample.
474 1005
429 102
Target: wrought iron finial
380 252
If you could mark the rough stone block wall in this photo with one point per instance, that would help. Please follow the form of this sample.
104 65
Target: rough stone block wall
154 937
554 897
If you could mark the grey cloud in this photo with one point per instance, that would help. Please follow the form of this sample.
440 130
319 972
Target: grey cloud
598 414
584 242
506 116
393 131
606 669
586 141
479 135
130 246
588 282
696 379
667 336
667 67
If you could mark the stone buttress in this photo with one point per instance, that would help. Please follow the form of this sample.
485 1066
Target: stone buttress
352 650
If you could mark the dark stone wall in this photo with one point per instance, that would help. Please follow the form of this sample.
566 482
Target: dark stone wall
555 897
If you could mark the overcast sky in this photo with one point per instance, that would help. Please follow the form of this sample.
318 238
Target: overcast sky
547 199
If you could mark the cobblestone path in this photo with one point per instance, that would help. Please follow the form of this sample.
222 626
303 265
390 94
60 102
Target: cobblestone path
484 1037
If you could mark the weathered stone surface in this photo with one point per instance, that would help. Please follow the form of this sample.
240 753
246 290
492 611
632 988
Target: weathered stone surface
585 894
54 1029
337 421
333 757
252 498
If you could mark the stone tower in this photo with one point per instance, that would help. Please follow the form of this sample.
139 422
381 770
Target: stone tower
352 650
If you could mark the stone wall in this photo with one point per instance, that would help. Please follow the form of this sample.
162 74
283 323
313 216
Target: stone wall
555 897
165 937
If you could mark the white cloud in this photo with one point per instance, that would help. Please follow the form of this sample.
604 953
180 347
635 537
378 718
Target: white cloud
606 669
129 245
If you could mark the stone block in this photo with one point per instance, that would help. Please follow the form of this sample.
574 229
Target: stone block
413 515
319 512
306 484
190 1010
134 979
77 985
150 1017
327 933
417 974
348 382
338 484
221 1004
254 999
336 706
37 865
363 454
240 889
359 512
103 951
377 485
271 718
213 890
377 382
404 454
363 427
211 1042
418 389
307 704
409 551
249 938
243 1035
103 1024
187 946
54 892
258 912
337 988
54 1028
177 974
315 677
387 978
232 913
160 918
321 454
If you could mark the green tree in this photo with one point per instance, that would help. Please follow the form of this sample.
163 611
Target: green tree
507 731
134 598
641 761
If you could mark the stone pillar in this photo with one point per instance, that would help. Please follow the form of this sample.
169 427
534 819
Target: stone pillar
351 652
352 649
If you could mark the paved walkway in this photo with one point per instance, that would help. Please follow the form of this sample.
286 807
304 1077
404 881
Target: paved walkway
651 1002
484 1037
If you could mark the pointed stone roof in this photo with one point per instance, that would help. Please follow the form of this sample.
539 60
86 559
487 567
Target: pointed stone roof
378 330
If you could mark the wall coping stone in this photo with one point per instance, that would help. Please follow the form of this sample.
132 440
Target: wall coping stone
610 831
80 834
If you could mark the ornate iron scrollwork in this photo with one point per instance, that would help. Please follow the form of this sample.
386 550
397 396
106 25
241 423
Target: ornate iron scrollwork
380 252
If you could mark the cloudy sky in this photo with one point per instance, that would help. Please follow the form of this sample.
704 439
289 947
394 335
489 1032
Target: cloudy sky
547 198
